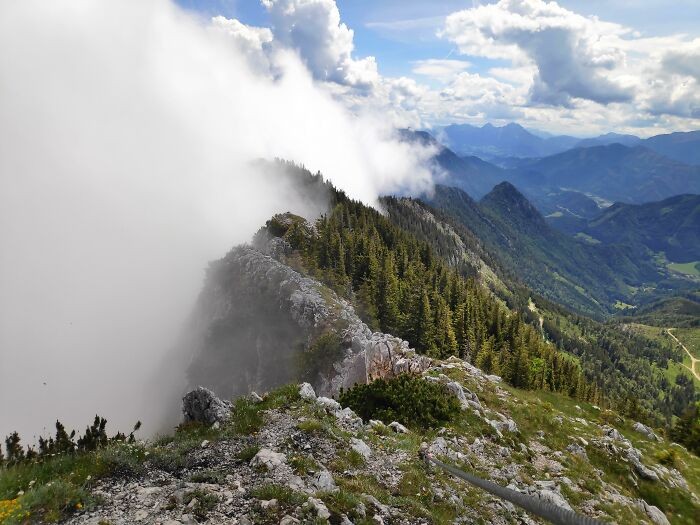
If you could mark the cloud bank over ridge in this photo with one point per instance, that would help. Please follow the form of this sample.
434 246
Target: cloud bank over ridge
126 134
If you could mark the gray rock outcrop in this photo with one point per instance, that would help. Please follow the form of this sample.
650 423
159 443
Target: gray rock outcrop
202 405
646 431
256 315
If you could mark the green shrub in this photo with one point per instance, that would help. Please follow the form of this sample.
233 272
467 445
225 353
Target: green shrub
246 418
205 502
325 350
121 460
55 500
248 453
408 399
667 457
284 495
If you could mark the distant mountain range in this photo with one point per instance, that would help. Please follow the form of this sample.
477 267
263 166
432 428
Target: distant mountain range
612 172
576 183
671 226
491 142
501 144
595 277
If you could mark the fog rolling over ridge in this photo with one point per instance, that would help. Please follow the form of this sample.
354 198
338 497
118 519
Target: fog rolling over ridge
127 131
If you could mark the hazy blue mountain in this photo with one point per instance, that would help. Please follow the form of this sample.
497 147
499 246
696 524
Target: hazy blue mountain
671 226
681 146
613 172
511 140
469 173
609 138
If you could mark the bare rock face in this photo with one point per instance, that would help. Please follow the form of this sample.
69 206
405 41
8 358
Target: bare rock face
645 430
256 318
202 405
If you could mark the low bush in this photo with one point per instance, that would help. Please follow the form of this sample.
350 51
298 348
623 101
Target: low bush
204 503
408 399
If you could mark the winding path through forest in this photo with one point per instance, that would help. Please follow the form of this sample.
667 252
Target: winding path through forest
693 360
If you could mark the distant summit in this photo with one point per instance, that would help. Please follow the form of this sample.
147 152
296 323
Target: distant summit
511 140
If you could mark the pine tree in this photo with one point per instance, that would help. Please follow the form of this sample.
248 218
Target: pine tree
425 329
388 296
484 359
445 339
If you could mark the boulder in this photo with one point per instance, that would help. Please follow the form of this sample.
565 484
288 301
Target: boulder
329 404
655 514
360 447
306 391
321 510
323 481
398 427
268 459
456 389
202 405
578 450
645 430
635 457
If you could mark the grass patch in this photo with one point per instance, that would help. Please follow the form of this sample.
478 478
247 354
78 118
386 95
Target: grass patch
310 426
247 453
302 465
347 460
205 502
690 268
54 501
285 496
246 417
208 476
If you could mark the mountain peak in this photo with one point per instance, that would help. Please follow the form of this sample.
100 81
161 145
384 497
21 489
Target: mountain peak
506 200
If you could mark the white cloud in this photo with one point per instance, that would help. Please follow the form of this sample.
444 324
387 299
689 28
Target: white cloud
252 41
126 131
574 55
314 29
443 70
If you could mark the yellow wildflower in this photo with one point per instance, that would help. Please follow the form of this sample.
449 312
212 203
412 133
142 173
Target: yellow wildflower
11 508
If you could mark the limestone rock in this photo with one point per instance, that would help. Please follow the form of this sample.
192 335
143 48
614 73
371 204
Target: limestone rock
321 510
306 391
645 430
398 427
248 285
323 481
635 457
360 447
655 514
202 405
268 459
578 450
329 404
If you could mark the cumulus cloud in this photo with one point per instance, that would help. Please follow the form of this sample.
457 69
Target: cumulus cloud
314 29
253 42
574 55
126 134
443 70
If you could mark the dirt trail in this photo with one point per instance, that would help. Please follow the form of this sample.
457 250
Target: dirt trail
693 360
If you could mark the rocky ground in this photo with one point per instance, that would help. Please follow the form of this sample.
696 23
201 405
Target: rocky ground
291 457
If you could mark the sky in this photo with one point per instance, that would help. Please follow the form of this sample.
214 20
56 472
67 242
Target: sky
581 67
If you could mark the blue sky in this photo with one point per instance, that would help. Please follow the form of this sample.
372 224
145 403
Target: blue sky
397 49
617 76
